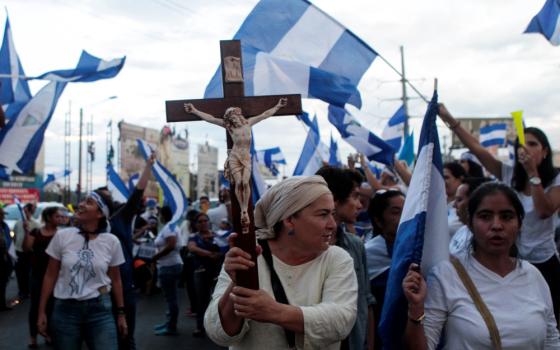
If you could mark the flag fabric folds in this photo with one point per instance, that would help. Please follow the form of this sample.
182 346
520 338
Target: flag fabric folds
547 22
270 158
21 139
116 185
132 181
172 191
407 150
291 46
313 154
304 117
493 135
334 155
14 90
52 177
363 140
89 68
394 130
422 236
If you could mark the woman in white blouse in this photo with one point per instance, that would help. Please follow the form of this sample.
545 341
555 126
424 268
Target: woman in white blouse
537 183
294 219
513 290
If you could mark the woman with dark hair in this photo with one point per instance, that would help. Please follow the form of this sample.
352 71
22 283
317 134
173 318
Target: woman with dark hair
471 164
385 209
170 265
83 269
537 184
453 175
207 261
486 292
36 242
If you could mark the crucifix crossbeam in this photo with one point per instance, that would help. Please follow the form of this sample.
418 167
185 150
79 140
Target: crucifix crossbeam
237 121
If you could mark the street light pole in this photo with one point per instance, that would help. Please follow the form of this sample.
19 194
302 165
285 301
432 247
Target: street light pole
79 187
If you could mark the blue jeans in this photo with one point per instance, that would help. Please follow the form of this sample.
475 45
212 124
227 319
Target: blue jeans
169 279
91 320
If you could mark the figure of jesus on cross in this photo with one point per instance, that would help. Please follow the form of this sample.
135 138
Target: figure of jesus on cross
237 169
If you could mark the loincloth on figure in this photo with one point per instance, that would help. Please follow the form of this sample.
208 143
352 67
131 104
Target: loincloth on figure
236 164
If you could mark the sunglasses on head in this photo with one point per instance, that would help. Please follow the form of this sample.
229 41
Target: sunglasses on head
386 190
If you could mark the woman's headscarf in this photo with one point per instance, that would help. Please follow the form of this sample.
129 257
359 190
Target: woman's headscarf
284 200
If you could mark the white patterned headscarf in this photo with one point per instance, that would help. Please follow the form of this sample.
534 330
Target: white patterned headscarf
284 200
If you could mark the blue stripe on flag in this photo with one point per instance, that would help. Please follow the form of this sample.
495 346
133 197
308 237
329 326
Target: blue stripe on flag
116 185
310 160
422 236
13 89
546 22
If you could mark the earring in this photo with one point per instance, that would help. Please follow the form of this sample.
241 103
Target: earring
291 232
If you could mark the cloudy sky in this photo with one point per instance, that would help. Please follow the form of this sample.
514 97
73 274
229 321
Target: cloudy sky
485 66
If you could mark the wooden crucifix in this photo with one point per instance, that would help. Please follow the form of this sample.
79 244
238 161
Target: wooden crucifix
235 107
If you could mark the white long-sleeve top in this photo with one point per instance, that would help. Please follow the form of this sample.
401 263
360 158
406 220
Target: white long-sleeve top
519 302
325 289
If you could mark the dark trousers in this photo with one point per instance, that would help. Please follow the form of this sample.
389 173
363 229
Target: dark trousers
36 285
550 270
204 284
128 342
188 277
6 269
23 272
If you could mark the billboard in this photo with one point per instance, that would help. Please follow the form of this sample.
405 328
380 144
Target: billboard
172 152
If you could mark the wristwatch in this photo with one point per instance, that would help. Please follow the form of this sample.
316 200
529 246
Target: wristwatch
535 180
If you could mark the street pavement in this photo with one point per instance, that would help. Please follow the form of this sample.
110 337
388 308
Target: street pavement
14 330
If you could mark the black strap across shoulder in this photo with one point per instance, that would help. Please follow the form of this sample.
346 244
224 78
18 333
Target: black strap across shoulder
277 289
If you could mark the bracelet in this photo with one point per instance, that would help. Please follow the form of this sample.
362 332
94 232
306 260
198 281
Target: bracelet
454 126
121 310
419 320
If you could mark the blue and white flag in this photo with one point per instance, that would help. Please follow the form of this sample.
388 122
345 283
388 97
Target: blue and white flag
394 131
422 236
511 152
291 46
304 117
363 140
173 193
493 135
132 181
334 155
547 22
407 150
89 68
116 185
270 158
52 177
313 154
14 90
21 139
259 186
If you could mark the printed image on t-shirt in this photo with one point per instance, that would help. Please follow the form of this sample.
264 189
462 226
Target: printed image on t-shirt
82 271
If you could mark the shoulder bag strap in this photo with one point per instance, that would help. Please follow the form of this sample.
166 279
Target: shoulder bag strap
479 303
277 289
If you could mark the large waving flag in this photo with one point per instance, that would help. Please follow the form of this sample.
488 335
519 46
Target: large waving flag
394 131
116 185
21 139
547 22
291 46
14 89
314 152
52 177
172 190
422 236
89 68
271 157
363 140
493 135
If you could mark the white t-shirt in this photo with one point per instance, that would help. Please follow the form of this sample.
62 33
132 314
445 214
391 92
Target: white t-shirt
325 289
378 259
519 302
83 267
174 256
535 242
215 215
461 241
452 219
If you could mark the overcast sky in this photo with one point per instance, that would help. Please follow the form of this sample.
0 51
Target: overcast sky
485 66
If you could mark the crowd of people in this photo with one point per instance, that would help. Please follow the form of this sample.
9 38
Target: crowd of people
325 247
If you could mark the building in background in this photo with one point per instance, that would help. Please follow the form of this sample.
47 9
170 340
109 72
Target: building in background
26 187
208 178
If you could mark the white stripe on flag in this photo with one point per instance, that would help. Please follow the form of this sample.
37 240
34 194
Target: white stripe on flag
310 52
273 76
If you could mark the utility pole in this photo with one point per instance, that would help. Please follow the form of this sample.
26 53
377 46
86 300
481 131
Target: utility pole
404 94
79 186
67 149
